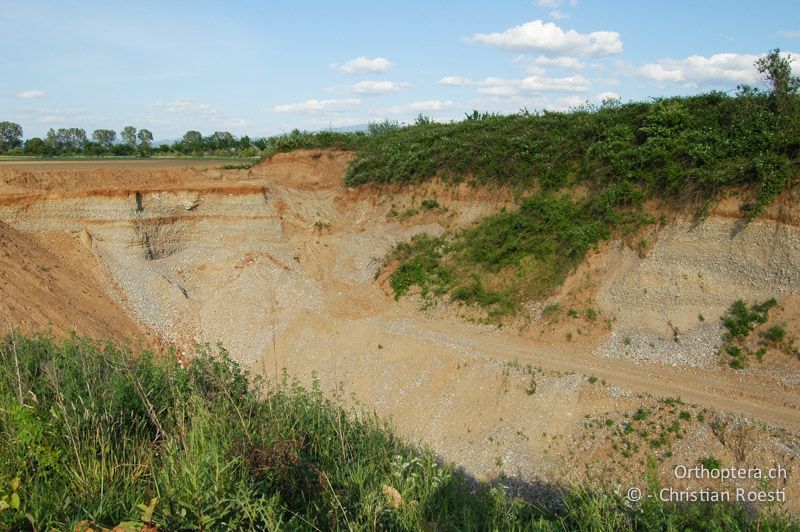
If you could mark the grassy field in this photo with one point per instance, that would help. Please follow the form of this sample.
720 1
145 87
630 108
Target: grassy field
92 436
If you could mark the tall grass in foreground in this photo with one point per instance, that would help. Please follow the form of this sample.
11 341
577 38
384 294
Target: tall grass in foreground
92 436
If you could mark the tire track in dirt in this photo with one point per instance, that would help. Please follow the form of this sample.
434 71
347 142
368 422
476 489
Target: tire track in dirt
747 395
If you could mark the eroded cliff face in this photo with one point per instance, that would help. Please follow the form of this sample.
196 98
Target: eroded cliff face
282 264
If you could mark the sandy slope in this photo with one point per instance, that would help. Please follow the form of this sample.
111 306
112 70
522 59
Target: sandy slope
39 289
284 266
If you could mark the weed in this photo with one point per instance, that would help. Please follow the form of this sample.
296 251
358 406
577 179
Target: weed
531 389
430 204
551 310
711 463
775 334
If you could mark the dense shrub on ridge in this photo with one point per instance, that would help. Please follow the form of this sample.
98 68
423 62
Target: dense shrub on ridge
90 435
685 148
683 151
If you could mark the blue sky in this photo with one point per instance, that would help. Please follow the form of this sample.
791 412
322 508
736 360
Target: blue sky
261 68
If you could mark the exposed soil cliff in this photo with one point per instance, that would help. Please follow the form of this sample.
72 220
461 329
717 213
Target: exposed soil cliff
282 263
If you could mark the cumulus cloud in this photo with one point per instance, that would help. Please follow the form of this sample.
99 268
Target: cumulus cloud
560 62
364 65
568 102
559 15
608 95
698 70
370 87
30 95
316 106
430 105
549 39
187 107
501 87
454 81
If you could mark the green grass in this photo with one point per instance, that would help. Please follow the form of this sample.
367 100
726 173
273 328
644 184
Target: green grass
90 434
508 258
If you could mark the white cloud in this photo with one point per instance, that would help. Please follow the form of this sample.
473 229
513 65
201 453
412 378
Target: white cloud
608 95
788 34
454 81
551 4
370 87
559 15
699 70
364 65
424 105
560 62
29 95
315 106
187 107
430 105
199 112
549 39
532 84
568 102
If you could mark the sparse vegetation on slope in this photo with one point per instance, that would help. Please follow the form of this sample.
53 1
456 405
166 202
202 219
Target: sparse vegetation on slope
90 436
740 321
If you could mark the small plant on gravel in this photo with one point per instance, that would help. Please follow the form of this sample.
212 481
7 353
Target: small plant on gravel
592 379
775 334
551 310
740 321
711 463
408 214
430 204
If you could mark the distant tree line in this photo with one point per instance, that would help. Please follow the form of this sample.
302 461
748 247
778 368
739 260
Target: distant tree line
129 142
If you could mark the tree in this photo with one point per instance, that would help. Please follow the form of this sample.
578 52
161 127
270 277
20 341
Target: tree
10 136
222 140
193 140
104 137
128 135
52 141
145 138
776 71
77 138
35 146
